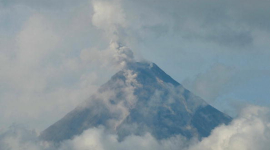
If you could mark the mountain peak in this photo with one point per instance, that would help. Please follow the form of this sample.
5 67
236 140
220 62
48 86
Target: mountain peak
152 70
140 99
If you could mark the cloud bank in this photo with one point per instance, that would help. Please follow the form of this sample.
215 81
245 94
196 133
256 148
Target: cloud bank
250 130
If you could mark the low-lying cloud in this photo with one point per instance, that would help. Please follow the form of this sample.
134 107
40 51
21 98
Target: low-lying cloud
249 131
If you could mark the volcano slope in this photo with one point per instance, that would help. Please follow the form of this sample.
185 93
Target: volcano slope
140 99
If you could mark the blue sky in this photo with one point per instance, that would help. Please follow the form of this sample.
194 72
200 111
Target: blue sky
54 54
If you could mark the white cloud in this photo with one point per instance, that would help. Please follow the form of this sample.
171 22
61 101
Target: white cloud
108 15
17 138
98 139
249 131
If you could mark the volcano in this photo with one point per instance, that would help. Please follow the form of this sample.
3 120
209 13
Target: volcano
140 99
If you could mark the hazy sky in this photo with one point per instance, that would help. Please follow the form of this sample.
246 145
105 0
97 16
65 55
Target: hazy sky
54 54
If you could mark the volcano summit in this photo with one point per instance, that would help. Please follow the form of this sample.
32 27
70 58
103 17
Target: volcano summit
140 99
